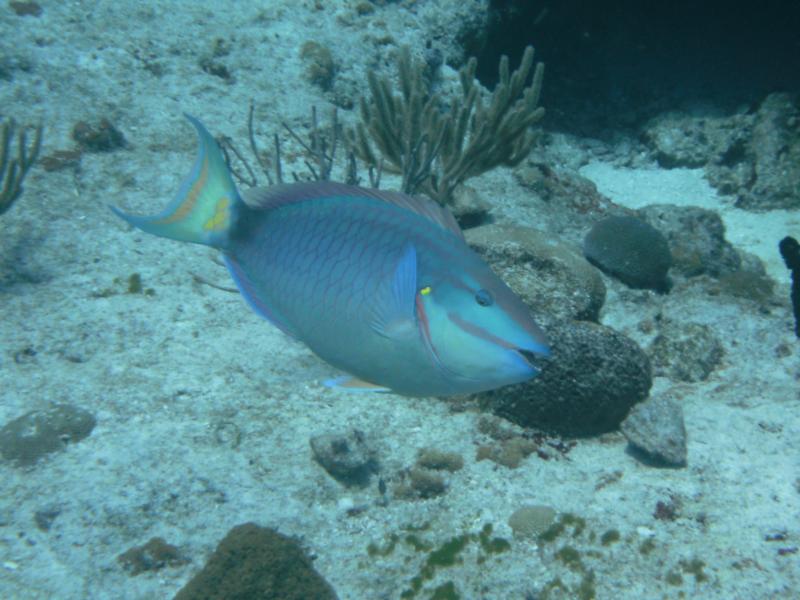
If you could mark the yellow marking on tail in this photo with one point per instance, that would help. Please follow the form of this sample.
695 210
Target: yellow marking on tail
220 219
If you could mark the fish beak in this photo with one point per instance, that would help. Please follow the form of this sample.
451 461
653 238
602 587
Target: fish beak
534 358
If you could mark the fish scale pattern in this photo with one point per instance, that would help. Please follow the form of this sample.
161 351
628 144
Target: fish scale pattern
318 265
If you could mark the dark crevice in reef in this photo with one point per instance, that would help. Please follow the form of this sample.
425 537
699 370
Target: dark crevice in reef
613 65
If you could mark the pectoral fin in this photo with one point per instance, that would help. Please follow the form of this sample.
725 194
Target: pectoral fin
393 308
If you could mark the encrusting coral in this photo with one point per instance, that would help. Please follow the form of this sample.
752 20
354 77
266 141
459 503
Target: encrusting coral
434 151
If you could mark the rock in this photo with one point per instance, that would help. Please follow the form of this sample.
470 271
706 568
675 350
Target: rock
749 285
685 351
684 140
33 435
631 250
696 238
775 146
260 564
656 427
592 379
152 556
348 457
104 137
565 188
678 140
756 157
469 208
45 517
548 275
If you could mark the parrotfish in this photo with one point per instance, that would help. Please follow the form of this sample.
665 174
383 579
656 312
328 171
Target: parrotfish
379 284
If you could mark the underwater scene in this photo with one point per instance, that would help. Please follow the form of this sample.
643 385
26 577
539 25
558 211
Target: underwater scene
399 299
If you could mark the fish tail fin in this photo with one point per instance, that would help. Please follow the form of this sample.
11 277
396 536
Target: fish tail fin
206 205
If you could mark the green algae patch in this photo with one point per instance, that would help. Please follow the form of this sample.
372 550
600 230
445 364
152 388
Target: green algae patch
552 533
492 545
674 578
135 284
586 589
577 523
417 543
695 567
571 557
647 546
375 550
446 591
443 556
565 522
578 557
609 537
571 548
448 553
554 585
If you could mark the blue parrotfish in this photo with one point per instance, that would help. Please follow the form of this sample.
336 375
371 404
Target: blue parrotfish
379 284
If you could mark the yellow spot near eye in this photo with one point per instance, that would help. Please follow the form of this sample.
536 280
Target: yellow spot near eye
426 290
220 219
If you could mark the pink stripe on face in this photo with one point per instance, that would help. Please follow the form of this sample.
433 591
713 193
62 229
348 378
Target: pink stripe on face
425 328
479 331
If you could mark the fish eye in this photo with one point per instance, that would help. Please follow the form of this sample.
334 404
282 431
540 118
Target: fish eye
484 297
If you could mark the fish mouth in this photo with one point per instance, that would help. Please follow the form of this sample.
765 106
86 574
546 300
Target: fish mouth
531 358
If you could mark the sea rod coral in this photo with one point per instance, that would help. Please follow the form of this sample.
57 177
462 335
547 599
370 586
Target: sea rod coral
13 170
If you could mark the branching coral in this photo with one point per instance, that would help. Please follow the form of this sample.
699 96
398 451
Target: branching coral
434 150
14 170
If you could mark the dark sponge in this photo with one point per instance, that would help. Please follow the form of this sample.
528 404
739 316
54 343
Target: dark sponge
592 379
631 250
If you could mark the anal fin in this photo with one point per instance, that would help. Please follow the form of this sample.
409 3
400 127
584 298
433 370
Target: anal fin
353 384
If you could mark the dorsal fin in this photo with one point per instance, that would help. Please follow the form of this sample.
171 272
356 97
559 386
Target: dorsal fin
265 198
